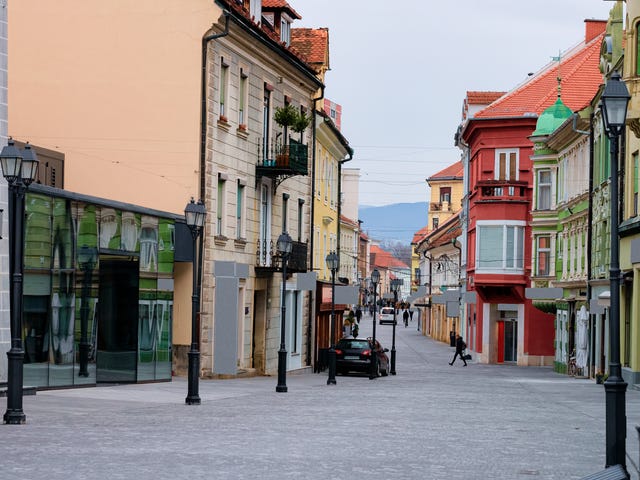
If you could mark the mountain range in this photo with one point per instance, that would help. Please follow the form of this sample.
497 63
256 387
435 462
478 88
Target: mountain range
396 222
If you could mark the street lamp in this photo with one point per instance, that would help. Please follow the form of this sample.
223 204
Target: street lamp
615 99
87 259
20 169
333 263
284 247
194 214
375 278
395 287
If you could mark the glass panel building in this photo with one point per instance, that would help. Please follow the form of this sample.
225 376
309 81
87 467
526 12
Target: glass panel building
98 290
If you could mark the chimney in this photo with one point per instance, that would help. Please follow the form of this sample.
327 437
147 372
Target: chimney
593 28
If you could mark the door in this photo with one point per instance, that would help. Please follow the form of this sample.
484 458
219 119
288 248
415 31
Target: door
510 341
116 358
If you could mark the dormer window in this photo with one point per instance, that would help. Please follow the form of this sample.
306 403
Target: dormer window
285 30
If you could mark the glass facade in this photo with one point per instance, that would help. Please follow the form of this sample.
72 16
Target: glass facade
98 294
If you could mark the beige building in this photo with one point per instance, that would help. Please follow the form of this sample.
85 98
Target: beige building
155 102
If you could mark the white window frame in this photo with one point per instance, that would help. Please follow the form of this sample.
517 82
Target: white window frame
544 190
243 97
518 243
224 87
240 208
507 173
548 251
221 205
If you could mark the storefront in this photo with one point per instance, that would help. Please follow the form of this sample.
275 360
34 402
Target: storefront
98 290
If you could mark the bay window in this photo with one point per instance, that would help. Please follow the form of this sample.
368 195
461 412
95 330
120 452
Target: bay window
500 247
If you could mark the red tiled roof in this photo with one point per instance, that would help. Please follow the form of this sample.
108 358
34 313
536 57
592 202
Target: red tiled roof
313 43
384 259
581 77
483 98
280 4
420 235
452 171
348 221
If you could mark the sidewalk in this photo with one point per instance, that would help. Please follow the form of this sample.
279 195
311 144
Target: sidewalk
430 421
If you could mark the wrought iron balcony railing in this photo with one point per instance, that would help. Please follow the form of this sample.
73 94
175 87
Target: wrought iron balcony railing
277 159
269 259
502 190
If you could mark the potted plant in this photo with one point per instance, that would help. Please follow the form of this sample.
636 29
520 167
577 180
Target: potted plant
285 116
300 123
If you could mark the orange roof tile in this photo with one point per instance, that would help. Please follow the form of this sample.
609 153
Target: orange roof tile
581 77
384 259
452 171
280 4
420 235
313 43
483 98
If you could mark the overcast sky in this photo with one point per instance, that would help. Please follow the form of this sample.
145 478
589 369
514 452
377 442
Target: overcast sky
401 69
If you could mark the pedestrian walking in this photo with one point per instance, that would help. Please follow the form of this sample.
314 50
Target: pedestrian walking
460 348
358 313
411 314
405 317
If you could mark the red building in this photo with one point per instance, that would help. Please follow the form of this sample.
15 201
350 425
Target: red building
503 325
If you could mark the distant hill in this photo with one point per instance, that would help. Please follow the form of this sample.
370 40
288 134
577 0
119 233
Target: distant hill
396 222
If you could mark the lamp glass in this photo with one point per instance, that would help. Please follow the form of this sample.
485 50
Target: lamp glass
10 161
29 165
333 261
284 244
375 276
194 214
615 99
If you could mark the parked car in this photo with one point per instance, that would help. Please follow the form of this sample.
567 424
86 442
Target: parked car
355 355
386 316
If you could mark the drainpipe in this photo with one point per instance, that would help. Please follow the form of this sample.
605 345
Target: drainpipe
592 360
203 99
311 242
203 146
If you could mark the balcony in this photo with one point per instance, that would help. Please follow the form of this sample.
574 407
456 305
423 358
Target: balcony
268 260
502 191
281 161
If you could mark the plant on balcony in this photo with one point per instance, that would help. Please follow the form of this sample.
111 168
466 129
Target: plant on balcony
301 123
286 116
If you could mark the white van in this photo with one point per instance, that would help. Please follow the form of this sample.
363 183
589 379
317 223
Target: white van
386 316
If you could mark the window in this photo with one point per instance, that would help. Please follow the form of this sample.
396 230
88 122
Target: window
220 204
224 77
285 207
445 194
435 221
635 184
239 209
285 31
500 247
544 255
244 99
266 115
300 218
544 189
506 167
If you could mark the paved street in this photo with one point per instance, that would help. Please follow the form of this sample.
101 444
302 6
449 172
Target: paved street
430 421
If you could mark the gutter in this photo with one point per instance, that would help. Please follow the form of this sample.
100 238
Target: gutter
311 242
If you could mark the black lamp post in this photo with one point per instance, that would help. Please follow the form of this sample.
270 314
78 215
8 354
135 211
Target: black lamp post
284 246
395 286
375 278
333 263
20 169
87 259
194 215
615 99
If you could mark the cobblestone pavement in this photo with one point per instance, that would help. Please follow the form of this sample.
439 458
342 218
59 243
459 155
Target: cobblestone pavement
430 421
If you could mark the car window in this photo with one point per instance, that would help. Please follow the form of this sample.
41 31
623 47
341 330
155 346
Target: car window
353 344
387 310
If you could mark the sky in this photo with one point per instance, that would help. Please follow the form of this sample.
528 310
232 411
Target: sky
401 71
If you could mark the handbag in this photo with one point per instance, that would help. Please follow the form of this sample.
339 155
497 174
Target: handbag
467 356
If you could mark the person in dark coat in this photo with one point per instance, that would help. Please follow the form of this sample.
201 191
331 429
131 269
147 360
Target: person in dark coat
358 314
460 348
405 317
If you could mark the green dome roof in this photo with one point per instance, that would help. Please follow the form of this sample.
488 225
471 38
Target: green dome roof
552 118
